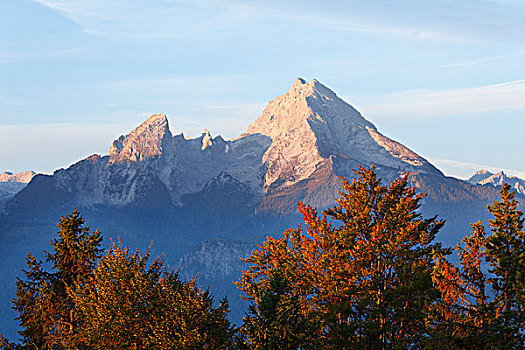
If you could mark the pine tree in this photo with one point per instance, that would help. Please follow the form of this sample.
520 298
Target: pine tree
46 311
363 268
505 253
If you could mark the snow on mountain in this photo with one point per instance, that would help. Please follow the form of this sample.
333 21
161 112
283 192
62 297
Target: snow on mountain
483 177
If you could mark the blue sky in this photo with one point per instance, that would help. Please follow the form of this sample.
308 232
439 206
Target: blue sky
445 78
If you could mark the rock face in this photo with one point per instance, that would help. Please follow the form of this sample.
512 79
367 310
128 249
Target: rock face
484 177
296 150
143 143
310 126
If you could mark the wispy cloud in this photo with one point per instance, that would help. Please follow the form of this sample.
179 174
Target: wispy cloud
368 24
443 103
16 55
135 19
481 61
465 169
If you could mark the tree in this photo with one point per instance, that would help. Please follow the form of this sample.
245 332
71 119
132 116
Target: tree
276 321
47 313
465 317
132 304
363 268
505 252
6 344
470 315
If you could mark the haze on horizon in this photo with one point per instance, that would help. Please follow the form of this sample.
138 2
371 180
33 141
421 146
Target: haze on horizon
446 79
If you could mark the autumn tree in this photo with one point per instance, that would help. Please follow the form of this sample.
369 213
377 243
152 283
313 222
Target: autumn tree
465 317
5 344
47 313
505 252
483 309
363 268
134 304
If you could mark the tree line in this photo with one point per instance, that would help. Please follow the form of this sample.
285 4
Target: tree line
366 273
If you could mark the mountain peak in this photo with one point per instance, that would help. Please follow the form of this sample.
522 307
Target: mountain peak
304 103
299 81
309 124
23 177
144 142
206 139
484 177
480 175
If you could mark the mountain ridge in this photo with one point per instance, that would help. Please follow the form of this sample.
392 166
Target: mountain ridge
484 177
307 129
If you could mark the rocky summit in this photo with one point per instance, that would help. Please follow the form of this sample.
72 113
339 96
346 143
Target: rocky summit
484 177
307 134
205 201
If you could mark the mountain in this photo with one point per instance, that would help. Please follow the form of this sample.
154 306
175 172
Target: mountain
23 177
484 177
11 183
204 202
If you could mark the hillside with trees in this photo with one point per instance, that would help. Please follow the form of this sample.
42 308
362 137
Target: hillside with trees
367 273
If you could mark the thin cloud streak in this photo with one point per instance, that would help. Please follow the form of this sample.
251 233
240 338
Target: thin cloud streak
444 103
135 20
481 61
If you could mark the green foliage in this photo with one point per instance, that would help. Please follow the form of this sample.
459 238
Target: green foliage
131 304
367 277
505 252
46 311
276 320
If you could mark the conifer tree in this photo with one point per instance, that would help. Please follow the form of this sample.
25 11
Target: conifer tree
46 311
465 318
363 268
505 253
470 315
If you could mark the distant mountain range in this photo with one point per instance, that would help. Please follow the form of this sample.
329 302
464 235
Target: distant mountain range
11 183
484 177
206 201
